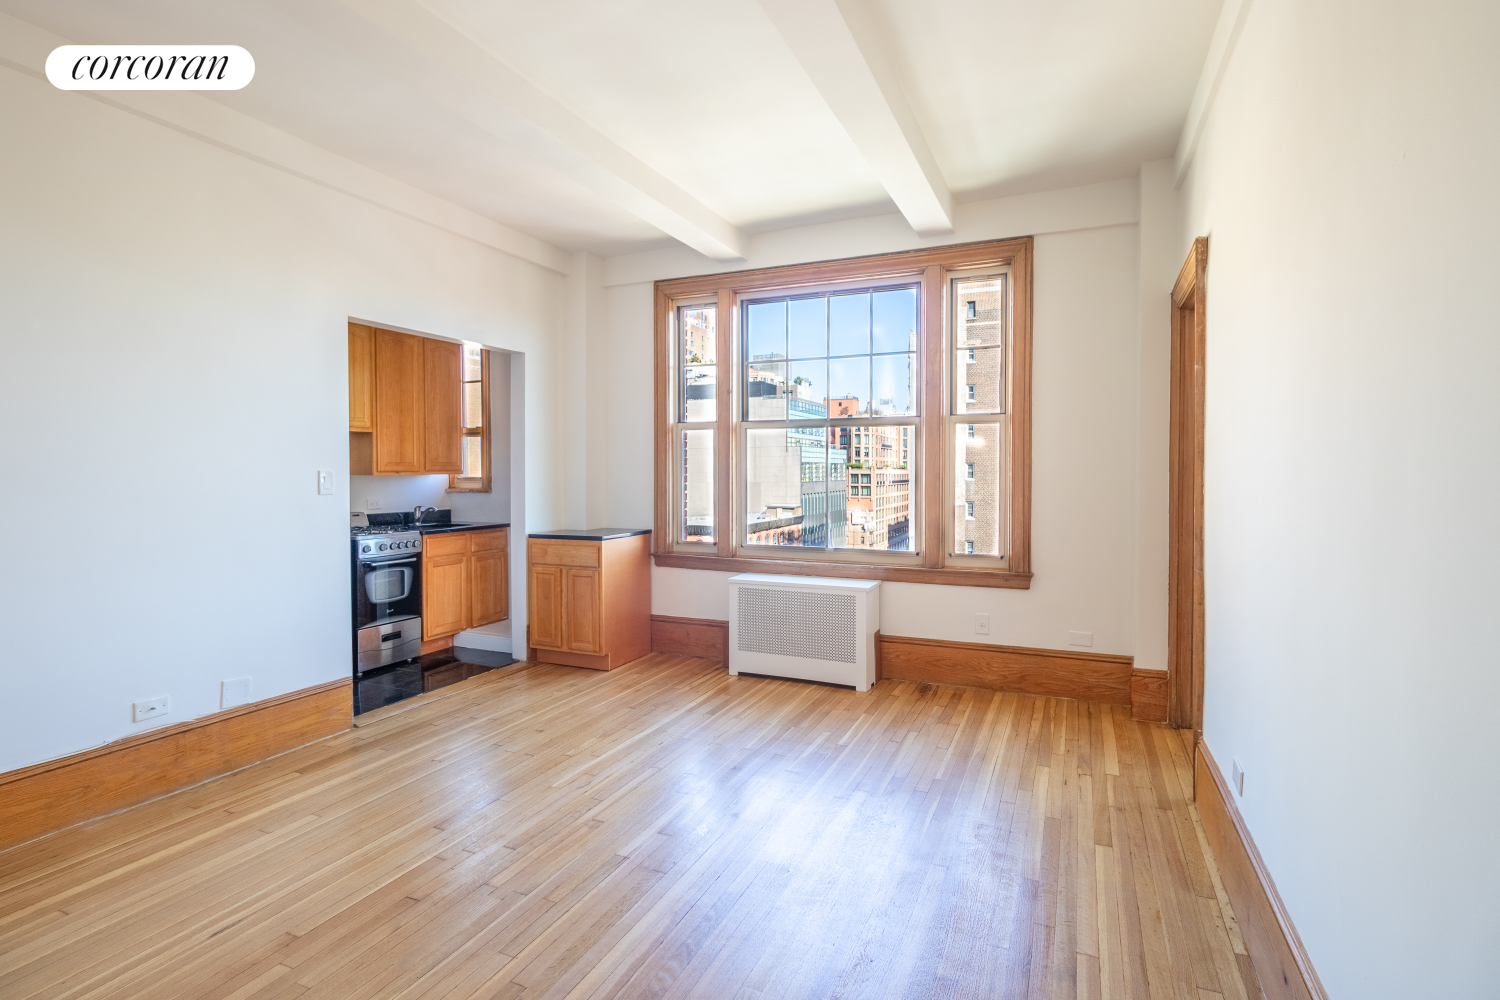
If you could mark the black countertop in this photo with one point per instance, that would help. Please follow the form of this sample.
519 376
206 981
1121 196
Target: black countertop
590 534
439 529
385 523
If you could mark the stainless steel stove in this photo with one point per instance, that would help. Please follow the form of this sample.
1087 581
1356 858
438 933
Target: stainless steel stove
387 596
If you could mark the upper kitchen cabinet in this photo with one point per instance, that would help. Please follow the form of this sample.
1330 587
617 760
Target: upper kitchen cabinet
361 377
442 434
399 409
405 403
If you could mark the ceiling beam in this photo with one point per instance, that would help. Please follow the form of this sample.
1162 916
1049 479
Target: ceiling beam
440 61
1220 50
839 46
24 48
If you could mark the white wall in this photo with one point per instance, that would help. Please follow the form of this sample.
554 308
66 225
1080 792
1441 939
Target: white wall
1347 181
1087 384
174 369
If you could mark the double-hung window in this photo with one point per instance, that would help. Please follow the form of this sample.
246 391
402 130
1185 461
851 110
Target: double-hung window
866 418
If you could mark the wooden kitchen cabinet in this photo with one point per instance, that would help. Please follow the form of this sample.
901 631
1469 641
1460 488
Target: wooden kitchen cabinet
398 403
465 580
489 576
442 406
405 403
361 378
589 597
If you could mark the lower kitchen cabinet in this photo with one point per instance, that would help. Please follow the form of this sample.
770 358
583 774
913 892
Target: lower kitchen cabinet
589 599
465 581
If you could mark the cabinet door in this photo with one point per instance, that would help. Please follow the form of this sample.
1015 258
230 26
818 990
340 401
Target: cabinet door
443 417
445 594
398 403
361 378
583 611
545 600
489 581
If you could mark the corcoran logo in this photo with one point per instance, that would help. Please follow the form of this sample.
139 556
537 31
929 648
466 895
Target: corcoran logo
150 67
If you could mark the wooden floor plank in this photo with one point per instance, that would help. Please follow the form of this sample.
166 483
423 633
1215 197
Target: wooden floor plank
662 830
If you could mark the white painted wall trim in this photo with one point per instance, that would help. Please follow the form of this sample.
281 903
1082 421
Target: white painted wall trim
24 48
1220 50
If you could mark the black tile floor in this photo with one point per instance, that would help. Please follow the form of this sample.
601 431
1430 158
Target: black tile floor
388 685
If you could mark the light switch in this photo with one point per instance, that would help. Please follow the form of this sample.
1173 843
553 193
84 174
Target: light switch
325 482
372 503
1080 638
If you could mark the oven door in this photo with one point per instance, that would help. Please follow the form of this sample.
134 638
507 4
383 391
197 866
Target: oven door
386 590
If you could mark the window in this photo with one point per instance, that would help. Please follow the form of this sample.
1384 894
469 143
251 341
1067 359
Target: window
809 418
475 375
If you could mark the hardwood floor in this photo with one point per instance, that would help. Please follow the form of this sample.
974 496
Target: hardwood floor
661 830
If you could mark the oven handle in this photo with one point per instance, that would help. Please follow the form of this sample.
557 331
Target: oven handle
388 562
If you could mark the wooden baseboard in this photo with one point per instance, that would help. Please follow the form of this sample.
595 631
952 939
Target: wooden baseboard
1281 963
563 657
1148 695
705 637
1100 677
55 794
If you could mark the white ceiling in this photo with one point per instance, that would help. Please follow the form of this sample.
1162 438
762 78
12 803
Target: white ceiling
603 125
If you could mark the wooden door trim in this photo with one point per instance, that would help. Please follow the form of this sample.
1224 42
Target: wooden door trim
1185 607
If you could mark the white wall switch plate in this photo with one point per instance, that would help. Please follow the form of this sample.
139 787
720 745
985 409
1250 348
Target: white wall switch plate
325 482
1237 777
149 709
372 503
234 692
981 624
1080 638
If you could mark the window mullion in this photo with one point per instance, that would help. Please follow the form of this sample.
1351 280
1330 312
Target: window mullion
931 453
726 451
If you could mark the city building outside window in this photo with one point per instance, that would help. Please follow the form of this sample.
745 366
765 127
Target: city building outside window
821 418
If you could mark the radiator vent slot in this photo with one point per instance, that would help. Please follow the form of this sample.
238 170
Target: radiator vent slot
819 626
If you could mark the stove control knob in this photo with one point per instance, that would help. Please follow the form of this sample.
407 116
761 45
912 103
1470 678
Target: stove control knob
364 548
383 546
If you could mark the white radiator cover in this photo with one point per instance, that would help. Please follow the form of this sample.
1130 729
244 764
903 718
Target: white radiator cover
804 627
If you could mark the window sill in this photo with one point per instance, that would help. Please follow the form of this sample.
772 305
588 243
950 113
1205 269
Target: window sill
851 571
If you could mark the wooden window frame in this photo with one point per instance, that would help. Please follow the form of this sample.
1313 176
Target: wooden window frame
931 269
484 483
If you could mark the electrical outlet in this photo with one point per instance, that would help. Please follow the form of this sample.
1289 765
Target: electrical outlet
372 503
981 624
149 709
1237 777
325 482
234 692
1080 638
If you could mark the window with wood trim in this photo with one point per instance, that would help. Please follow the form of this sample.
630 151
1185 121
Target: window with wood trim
475 388
864 418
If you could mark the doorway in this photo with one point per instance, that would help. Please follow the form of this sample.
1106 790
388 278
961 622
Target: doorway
1185 530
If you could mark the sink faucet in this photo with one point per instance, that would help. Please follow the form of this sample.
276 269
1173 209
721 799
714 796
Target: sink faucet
418 511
